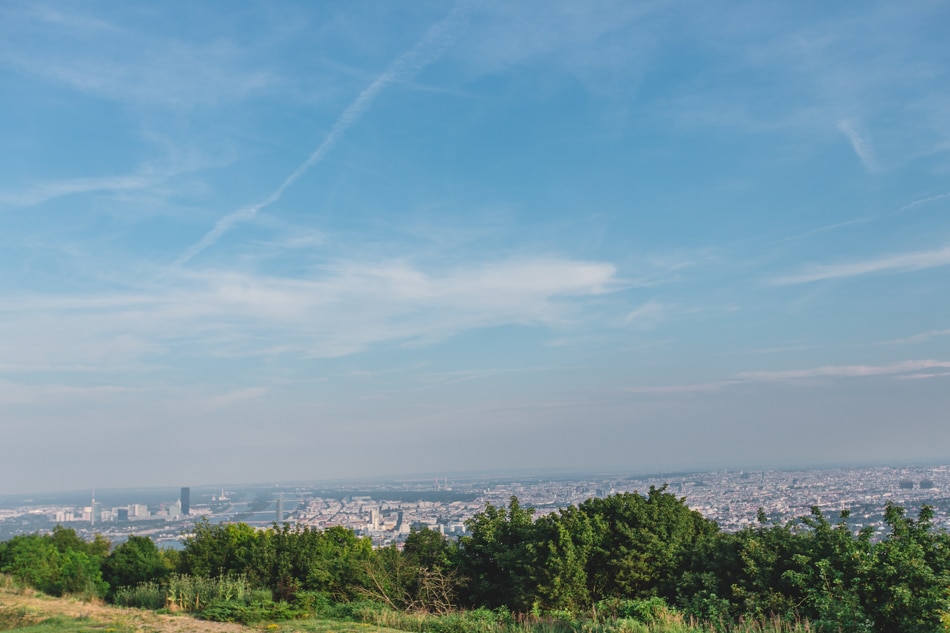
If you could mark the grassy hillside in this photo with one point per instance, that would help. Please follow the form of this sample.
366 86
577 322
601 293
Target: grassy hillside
29 611
26 610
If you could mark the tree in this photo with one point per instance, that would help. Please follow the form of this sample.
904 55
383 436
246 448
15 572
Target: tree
494 560
429 549
216 550
137 560
38 561
639 543
33 560
559 555
906 585
829 572
80 573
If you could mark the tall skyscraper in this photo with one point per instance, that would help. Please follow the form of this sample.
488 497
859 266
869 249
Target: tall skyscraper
185 500
280 509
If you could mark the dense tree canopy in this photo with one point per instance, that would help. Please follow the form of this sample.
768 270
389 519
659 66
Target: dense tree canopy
600 557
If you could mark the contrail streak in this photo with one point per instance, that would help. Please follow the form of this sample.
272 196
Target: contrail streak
433 44
861 145
917 203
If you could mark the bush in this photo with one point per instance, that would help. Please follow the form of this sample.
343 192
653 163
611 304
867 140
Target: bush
247 612
648 611
313 603
146 595
194 593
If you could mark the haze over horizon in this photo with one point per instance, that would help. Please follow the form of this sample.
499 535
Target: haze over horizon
266 242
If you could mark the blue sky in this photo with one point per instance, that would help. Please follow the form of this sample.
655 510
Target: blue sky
273 241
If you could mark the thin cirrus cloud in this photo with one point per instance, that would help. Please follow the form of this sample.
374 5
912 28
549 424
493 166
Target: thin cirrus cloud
14 393
148 176
861 143
427 50
900 369
903 262
347 309
78 52
42 192
647 314
923 337
922 201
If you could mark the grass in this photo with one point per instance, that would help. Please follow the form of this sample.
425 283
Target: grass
26 620
25 610
335 626
483 621
325 626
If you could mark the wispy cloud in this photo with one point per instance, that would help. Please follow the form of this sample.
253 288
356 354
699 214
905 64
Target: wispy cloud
441 379
844 371
942 374
901 369
923 337
701 387
152 176
922 201
109 60
821 229
14 393
234 397
341 309
427 50
780 349
861 143
903 262
43 191
647 314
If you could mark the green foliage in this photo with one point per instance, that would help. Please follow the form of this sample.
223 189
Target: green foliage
290 559
639 543
429 549
146 595
216 550
49 563
613 565
136 561
906 580
420 577
250 612
194 593
33 560
559 555
495 558
624 546
80 574
648 611
284 559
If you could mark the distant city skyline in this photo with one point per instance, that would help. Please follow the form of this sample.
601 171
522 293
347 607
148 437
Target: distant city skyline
436 479
386 511
308 242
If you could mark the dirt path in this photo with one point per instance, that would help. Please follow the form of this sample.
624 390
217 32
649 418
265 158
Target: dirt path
36 607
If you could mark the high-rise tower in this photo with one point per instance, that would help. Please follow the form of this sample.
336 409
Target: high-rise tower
185 500
280 509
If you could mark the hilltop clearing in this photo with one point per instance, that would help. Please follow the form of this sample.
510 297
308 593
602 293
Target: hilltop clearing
25 608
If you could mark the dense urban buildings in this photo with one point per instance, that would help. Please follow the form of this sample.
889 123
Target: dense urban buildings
387 511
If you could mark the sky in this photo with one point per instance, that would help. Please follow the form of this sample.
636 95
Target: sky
258 241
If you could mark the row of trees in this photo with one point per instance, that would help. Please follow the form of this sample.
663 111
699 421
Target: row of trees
629 546
595 558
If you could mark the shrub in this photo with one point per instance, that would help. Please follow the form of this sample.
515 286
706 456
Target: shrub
247 612
146 595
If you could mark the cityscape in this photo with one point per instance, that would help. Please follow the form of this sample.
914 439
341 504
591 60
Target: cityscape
386 511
